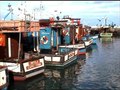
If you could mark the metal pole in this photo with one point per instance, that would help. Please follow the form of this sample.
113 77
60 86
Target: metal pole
57 38
19 48
105 21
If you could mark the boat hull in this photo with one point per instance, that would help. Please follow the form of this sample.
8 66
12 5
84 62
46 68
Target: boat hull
3 78
106 35
25 69
61 60
81 48
94 39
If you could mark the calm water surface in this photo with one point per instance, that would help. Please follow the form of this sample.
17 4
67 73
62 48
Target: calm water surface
99 71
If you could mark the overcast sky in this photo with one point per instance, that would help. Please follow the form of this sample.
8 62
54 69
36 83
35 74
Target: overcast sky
88 11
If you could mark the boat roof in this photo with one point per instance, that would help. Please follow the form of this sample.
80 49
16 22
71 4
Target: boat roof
14 26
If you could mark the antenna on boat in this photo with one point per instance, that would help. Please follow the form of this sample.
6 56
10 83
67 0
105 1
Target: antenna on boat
20 34
10 11
35 48
106 21
41 8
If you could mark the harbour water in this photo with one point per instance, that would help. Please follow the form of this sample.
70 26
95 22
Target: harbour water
99 71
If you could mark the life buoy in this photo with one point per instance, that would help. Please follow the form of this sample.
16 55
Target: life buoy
44 40
65 32
2 40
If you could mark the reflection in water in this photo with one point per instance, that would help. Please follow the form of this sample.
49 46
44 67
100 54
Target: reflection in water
106 40
53 79
62 78
102 69
99 71
34 83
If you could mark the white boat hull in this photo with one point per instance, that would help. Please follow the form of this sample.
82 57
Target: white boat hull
24 70
3 77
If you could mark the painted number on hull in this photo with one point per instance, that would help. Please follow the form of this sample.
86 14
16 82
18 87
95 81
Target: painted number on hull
71 54
33 64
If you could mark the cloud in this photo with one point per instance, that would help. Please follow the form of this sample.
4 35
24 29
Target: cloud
88 11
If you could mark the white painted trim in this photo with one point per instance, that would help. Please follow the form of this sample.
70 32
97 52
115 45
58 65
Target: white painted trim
71 54
79 46
47 58
9 47
2 77
57 59
76 52
15 67
66 57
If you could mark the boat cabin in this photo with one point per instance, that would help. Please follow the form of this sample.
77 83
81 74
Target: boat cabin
18 48
51 36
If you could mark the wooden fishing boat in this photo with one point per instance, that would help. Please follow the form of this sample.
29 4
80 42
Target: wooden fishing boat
74 34
18 48
50 39
61 59
105 32
88 42
94 39
4 76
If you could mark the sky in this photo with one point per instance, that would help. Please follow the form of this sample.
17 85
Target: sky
91 12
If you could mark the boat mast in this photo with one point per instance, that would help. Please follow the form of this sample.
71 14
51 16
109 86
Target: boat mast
37 34
106 21
19 46
10 11
20 34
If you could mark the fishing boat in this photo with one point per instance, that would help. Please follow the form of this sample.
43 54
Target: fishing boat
80 47
105 32
87 42
87 38
94 38
106 35
72 34
18 48
50 39
4 76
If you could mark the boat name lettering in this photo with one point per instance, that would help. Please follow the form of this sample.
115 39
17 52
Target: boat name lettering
33 64
71 54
